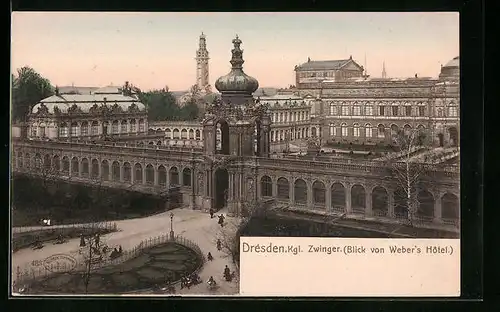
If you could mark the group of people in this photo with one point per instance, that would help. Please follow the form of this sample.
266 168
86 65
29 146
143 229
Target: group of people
221 217
190 280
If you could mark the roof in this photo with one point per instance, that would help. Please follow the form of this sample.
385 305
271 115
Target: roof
86 101
282 100
332 64
455 62
74 89
108 90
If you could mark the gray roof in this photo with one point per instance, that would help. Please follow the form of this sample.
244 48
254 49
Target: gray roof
332 64
86 101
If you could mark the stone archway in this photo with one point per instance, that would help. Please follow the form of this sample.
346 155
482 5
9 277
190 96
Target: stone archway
221 188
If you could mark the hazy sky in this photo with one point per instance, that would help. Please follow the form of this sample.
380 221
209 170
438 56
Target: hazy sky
152 50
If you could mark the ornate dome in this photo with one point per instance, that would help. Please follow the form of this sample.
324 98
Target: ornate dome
451 71
455 62
237 81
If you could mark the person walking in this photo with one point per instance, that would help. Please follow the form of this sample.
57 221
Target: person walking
211 213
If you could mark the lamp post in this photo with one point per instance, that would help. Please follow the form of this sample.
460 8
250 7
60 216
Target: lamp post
171 226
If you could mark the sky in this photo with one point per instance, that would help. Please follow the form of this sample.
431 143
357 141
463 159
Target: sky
154 50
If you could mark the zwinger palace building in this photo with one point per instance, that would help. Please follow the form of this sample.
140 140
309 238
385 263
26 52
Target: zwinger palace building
225 160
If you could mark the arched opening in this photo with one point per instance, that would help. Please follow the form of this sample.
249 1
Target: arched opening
450 208
63 130
338 197
223 147
114 127
85 167
266 187
84 128
453 136
158 143
65 165
300 192
177 134
168 133
115 171
381 131
38 161
150 174
425 204
221 188
368 130
137 173
75 168
94 128
394 130
127 172
105 170
407 130
184 134
186 177
105 128
151 143
400 204
380 201
74 129
124 126
318 189
440 139
95 168
56 163
358 201
47 162
162 175
313 132
174 176
283 188
191 134
142 127
198 135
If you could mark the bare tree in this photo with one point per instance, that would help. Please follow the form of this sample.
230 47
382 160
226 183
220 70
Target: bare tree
408 169
93 255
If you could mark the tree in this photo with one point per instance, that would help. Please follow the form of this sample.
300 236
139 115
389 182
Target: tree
408 169
93 254
190 111
28 88
161 104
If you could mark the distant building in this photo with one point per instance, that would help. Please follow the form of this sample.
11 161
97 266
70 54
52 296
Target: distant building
334 70
105 112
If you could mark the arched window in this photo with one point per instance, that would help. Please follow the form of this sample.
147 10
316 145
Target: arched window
114 127
95 168
141 125
338 197
356 129
266 186
133 125
63 130
174 176
85 167
105 170
176 134
283 188
368 131
162 175
186 177
184 134
65 165
150 174
168 133
343 129
191 134
300 191
319 193
138 173
47 162
123 128
198 135
56 163
115 171
94 128
127 172
381 131
74 129
85 128
358 198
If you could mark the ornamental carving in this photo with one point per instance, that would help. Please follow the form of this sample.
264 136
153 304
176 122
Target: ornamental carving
57 111
116 109
75 109
133 108
42 110
94 110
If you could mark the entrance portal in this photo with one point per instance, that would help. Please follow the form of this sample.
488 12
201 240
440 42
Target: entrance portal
221 188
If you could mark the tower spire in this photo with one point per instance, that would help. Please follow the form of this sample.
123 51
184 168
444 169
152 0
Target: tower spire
202 73
237 58
384 74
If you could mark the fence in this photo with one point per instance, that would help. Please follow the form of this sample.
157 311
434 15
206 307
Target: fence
31 273
24 237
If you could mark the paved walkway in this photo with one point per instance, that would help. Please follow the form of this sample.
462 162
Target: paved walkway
191 224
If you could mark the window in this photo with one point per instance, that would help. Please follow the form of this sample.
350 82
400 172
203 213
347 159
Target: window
345 110
33 131
408 110
74 129
94 130
332 130
63 130
369 110
281 117
333 109
381 110
356 111
141 125
114 127
344 129
381 131
452 112
421 111
356 130
395 111
368 131
439 112
286 117
42 132
124 126
85 128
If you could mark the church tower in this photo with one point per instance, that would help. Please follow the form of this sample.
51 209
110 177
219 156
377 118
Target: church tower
202 64
384 74
236 127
